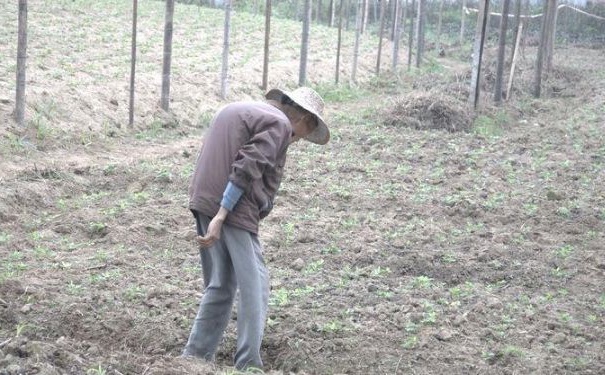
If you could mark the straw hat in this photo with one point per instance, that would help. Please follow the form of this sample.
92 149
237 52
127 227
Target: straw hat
310 100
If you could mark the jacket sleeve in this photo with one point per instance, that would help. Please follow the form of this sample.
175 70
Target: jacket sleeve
260 152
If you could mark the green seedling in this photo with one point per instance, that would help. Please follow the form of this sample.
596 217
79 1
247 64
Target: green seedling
422 282
314 267
564 251
410 342
20 328
280 297
4 238
380 271
332 326
99 370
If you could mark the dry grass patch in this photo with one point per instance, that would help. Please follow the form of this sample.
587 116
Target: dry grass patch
426 111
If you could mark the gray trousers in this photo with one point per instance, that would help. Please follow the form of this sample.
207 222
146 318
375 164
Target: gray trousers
234 261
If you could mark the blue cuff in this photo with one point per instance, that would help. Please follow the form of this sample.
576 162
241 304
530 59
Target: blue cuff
231 196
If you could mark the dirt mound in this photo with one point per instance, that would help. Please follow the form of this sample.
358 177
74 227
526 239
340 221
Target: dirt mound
429 111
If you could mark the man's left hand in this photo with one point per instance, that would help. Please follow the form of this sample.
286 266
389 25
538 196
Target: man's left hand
213 233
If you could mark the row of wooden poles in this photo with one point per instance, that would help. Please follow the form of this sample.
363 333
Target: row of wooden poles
544 52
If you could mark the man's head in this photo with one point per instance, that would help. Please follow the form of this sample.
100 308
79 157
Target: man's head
305 108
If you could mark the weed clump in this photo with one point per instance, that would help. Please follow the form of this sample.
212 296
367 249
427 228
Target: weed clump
429 111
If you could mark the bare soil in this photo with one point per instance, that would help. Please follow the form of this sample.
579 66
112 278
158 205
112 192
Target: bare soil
423 238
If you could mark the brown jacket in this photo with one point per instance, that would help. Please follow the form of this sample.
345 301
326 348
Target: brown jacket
245 144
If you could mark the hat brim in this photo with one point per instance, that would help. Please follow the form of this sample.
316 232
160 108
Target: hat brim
321 134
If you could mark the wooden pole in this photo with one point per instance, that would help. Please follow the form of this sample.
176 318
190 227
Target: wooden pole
482 17
266 54
21 63
225 66
165 100
420 18
133 63
304 47
358 26
439 22
339 43
516 31
411 35
501 52
331 15
514 61
462 22
381 34
540 56
550 34
396 34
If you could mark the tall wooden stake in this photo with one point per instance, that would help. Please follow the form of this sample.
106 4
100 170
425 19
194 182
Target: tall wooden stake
165 101
133 63
514 61
501 52
381 34
21 62
411 35
339 43
420 18
225 65
266 54
478 51
358 26
541 48
462 22
396 34
304 46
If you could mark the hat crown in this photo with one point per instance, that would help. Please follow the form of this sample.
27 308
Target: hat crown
312 102
309 99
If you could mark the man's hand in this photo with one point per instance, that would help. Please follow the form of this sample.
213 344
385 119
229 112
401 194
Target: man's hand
214 229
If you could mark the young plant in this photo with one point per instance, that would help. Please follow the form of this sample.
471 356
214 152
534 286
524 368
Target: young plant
280 297
422 282
314 267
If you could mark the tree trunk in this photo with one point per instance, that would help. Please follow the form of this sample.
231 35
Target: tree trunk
358 27
304 47
541 49
339 44
480 31
318 12
133 63
462 22
380 34
501 52
411 36
21 63
396 34
165 101
331 20
420 31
